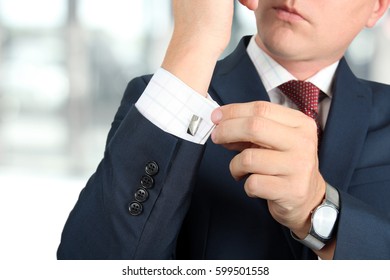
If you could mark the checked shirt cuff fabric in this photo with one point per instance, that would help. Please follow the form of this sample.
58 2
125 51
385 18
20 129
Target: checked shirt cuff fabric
171 105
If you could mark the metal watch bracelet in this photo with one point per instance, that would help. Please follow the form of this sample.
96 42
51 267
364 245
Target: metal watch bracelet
312 240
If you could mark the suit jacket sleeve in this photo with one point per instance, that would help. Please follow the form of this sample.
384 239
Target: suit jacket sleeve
363 232
100 225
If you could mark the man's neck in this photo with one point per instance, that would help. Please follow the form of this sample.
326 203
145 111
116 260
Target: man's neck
300 69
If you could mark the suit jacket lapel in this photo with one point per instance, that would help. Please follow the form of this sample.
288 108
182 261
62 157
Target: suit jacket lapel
346 128
236 79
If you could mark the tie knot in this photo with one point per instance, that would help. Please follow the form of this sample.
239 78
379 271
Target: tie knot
304 95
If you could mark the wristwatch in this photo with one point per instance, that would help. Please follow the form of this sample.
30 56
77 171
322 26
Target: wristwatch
323 221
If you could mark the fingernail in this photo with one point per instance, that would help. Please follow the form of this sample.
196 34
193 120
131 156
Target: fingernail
216 116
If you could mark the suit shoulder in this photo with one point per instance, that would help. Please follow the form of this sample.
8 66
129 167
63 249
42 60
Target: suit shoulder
380 101
380 93
377 88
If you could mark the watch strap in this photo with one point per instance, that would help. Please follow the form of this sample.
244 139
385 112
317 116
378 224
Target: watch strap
311 240
332 196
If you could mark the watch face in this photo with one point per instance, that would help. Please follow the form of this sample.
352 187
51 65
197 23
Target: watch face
324 219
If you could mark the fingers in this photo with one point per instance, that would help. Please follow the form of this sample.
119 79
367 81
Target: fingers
260 131
271 188
263 124
259 161
262 109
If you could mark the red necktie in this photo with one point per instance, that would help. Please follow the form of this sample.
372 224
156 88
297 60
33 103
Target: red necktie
305 95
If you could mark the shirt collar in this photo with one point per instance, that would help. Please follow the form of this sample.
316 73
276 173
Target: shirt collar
272 74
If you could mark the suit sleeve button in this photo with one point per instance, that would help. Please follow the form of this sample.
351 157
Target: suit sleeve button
151 168
141 195
135 208
147 182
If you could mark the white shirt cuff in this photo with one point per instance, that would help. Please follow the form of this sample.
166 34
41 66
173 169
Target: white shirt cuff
170 104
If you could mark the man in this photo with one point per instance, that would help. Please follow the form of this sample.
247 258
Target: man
260 188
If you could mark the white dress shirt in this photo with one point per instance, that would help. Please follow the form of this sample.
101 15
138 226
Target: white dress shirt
170 104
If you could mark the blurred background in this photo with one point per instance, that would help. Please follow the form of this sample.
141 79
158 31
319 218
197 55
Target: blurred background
64 65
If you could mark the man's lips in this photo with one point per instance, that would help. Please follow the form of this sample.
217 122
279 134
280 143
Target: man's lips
288 14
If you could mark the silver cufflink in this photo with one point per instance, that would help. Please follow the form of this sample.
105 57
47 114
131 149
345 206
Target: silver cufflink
194 125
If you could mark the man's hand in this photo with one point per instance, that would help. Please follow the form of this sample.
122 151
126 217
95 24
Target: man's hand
202 31
278 158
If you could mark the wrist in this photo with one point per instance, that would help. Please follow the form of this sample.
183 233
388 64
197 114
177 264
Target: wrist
303 228
192 61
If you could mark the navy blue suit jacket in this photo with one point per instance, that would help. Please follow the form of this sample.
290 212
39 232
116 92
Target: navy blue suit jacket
195 209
